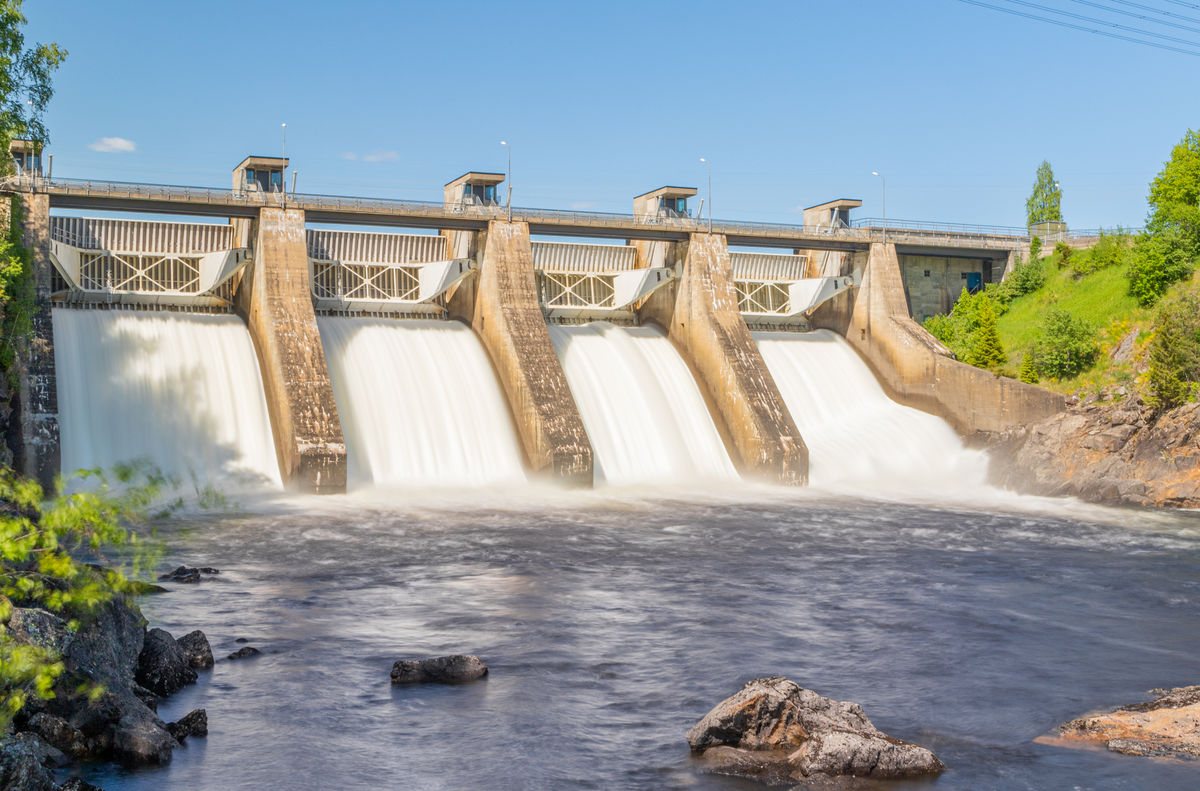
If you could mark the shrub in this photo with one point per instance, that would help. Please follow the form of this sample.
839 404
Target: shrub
1025 278
1111 249
1028 372
1175 352
1159 259
1066 345
986 350
1035 248
1065 253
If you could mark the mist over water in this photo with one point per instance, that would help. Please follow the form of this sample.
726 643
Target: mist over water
641 406
420 404
181 390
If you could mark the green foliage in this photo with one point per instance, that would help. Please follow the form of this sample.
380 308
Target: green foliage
1066 345
1175 352
1035 248
1045 202
25 84
1028 372
1159 259
1064 252
44 554
1167 251
17 297
1178 183
1025 278
1113 248
987 351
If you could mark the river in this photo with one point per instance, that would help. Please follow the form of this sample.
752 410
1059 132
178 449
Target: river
613 620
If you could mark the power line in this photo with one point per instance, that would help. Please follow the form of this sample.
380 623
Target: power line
1142 17
1093 31
1106 23
1185 5
1157 10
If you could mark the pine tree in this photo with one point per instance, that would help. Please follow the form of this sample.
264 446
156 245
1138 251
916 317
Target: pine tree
987 352
1028 372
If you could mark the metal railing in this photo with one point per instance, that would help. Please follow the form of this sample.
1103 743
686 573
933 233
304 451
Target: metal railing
876 223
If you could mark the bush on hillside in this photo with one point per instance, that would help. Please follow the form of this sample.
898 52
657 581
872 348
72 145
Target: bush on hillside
1066 345
1025 278
1111 249
1159 260
986 350
1035 248
1028 372
1065 253
1175 352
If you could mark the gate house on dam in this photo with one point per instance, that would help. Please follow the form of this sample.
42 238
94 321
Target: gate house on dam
284 269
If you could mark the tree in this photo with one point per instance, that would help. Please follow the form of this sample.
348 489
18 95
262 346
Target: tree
1028 372
1175 352
987 351
1179 180
1066 345
1167 251
1045 202
25 87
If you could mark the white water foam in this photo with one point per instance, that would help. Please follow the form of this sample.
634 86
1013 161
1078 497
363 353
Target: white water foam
420 404
857 437
180 390
640 404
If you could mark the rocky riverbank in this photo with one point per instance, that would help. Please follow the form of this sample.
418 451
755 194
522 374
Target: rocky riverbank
1116 452
1168 726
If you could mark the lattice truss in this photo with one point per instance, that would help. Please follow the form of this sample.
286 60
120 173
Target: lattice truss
576 289
109 271
763 296
372 282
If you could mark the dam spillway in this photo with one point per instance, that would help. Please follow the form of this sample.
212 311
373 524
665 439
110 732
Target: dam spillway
859 438
644 413
419 403
181 390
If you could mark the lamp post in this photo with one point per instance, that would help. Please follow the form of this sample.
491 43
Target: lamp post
508 178
708 162
283 175
882 179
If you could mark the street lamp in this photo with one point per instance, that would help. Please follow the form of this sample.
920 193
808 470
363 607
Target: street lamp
881 178
709 164
508 178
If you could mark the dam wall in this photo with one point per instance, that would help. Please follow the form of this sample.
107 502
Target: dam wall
700 313
501 305
38 450
918 370
274 296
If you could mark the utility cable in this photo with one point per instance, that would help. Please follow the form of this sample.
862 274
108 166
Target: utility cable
1152 9
1093 31
1142 17
1106 23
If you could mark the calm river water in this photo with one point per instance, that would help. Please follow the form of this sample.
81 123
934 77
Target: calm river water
612 622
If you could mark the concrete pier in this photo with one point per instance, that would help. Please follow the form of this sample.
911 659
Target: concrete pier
274 296
501 304
915 368
700 313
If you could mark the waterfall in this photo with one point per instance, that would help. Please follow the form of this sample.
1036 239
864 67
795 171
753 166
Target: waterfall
643 411
420 404
858 437
180 390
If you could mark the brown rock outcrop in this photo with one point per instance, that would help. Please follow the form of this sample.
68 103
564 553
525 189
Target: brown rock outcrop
1166 726
775 731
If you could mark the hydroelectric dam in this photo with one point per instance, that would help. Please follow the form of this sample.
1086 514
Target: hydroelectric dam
463 342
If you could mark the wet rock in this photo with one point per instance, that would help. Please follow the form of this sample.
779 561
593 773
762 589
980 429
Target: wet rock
162 668
35 626
142 739
106 647
1169 725
140 588
774 730
244 653
75 784
25 763
188 574
194 723
58 733
196 649
456 669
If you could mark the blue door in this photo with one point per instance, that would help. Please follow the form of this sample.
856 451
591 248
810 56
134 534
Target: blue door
974 281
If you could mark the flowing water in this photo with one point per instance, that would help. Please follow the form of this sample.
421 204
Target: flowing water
181 390
420 404
857 437
612 624
640 405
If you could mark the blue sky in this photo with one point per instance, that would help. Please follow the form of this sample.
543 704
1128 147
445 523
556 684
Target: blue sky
795 103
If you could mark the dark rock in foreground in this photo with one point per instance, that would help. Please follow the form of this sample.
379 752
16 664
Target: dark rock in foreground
196 650
244 653
25 763
188 573
194 723
1169 725
162 667
75 784
775 731
455 669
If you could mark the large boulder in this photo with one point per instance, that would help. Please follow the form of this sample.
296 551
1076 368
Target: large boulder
25 763
196 650
194 723
776 731
140 738
162 667
456 669
1169 725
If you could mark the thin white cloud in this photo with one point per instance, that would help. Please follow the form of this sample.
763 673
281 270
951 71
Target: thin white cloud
350 155
113 145
381 156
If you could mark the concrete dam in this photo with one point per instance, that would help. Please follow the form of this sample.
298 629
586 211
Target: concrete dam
463 343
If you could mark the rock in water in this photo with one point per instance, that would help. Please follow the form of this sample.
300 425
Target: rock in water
244 653
196 649
1169 725
194 723
75 784
162 668
775 731
455 669
188 573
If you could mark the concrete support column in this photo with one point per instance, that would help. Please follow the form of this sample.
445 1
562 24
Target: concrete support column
501 305
275 298
700 313
39 453
917 369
